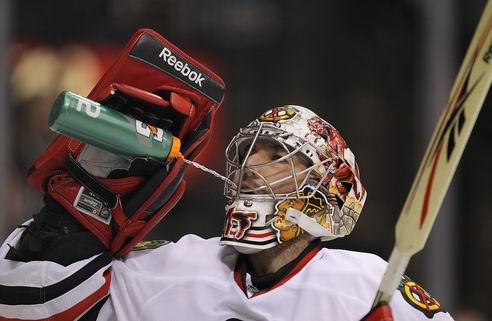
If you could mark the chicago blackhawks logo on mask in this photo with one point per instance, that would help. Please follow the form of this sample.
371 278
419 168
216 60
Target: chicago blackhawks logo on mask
316 207
238 222
278 114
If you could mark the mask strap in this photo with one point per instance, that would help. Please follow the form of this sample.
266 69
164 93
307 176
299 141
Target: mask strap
307 223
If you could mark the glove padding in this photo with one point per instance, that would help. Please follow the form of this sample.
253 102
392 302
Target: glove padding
114 210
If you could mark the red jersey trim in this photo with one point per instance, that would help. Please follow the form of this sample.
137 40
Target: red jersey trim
78 309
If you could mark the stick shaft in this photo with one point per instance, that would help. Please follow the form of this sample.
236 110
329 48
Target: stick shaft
442 155
397 265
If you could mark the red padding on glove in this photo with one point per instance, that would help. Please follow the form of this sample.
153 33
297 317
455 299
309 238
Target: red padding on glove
141 94
120 244
154 220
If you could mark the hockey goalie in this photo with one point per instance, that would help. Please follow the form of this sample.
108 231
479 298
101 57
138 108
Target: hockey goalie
292 184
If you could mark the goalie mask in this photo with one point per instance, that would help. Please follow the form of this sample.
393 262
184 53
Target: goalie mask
289 172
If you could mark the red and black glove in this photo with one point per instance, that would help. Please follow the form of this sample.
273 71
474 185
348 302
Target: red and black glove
155 82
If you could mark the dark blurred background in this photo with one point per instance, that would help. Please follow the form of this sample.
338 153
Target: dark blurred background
380 71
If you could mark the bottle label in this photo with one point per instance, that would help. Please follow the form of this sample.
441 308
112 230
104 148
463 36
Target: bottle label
149 131
91 109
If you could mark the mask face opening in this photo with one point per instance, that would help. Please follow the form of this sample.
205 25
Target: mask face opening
266 163
264 167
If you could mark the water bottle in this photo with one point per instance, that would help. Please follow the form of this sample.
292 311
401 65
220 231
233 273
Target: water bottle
89 121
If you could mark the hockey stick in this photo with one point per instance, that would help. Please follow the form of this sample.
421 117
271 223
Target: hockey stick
442 156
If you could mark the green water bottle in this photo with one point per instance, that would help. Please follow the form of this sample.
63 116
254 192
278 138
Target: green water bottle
88 121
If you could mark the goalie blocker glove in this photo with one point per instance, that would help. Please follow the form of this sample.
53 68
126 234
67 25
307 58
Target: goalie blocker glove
154 82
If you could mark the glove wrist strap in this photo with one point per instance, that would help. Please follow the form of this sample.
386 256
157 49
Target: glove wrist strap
87 180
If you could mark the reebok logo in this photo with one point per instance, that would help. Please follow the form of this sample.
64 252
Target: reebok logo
161 55
181 67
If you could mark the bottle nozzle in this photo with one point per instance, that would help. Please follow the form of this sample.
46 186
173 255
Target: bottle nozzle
175 152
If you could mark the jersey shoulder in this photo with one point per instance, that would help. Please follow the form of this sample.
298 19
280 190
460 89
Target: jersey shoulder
359 274
161 270
351 264
179 257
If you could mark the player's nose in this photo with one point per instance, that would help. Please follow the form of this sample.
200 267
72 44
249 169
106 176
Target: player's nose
250 180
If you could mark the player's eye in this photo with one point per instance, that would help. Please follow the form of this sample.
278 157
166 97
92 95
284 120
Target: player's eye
277 156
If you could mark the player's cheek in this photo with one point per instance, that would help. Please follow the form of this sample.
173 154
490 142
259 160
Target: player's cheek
285 186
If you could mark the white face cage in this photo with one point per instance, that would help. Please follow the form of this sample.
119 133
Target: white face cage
240 148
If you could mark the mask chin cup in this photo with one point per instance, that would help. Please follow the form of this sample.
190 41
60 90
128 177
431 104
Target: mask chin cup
306 223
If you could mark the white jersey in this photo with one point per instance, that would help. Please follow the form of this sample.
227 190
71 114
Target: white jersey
197 279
